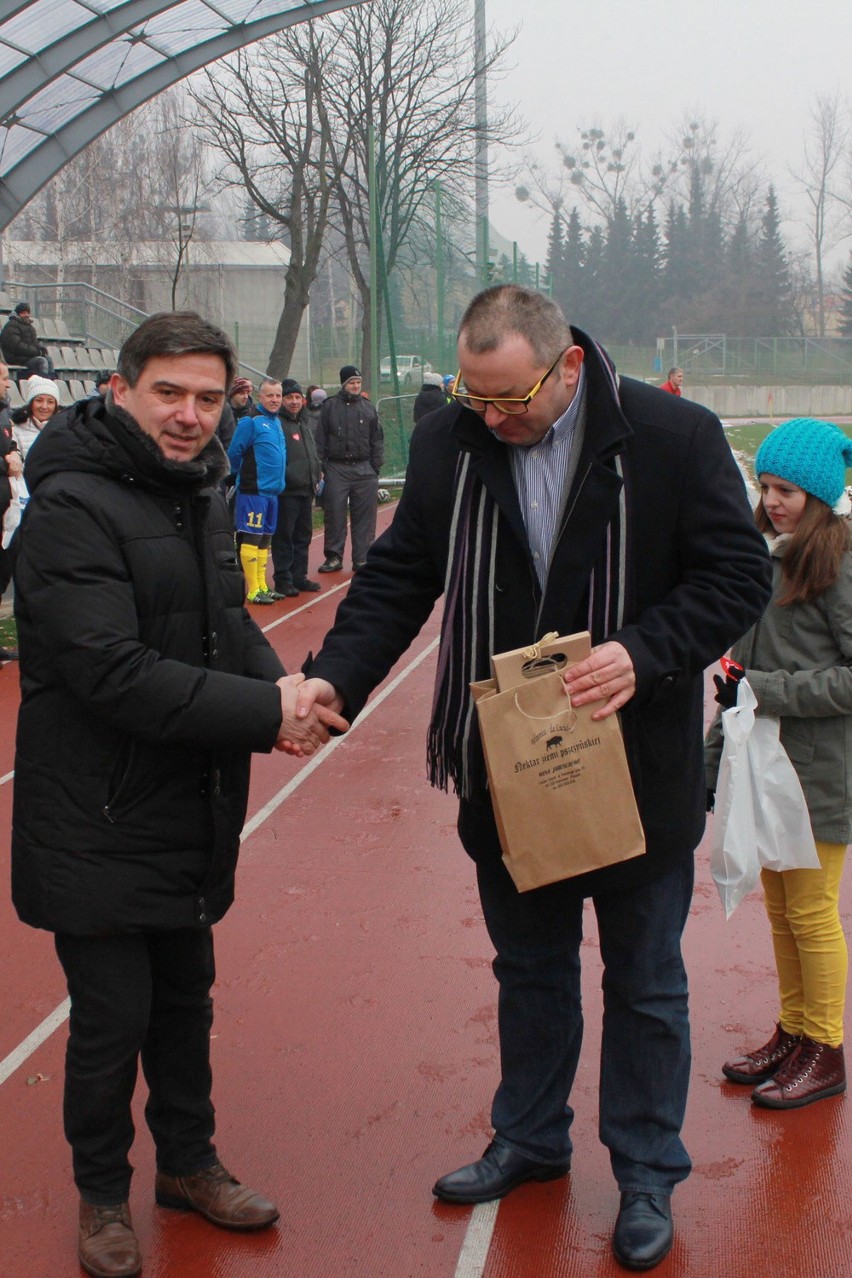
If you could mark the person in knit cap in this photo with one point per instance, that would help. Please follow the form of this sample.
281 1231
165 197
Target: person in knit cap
258 457
291 540
316 397
430 396
798 661
351 448
42 401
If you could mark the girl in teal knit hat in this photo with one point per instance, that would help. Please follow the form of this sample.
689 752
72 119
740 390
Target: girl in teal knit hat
798 660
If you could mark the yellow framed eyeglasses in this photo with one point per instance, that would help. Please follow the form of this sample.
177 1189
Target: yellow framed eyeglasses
510 405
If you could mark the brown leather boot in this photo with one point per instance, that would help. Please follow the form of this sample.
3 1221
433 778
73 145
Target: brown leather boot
108 1246
763 1062
812 1072
215 1194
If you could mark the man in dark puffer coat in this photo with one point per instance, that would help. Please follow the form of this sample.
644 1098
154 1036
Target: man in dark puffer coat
145 688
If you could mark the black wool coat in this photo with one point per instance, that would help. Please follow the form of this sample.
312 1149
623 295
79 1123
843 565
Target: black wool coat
700 577
145 684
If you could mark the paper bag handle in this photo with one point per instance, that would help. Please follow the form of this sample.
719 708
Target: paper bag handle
570 718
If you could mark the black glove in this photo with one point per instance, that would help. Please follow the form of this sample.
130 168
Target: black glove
711 800
726 690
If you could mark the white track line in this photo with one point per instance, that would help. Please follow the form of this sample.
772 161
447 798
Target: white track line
477 1240
56 1018
25 1049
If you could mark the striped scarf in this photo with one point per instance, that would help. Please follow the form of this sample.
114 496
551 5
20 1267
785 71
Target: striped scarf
454 750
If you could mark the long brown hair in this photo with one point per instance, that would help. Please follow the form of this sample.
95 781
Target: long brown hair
814 554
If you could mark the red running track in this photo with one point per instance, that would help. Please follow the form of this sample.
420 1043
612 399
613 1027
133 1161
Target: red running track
355 1051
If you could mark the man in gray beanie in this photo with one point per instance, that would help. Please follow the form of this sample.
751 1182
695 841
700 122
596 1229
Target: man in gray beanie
350 444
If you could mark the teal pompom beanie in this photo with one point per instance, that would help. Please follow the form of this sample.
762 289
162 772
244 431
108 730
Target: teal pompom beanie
811 454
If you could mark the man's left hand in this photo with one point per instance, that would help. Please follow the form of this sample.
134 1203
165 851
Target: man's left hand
607 675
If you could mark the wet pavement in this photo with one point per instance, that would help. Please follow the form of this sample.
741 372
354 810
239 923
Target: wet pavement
355 1050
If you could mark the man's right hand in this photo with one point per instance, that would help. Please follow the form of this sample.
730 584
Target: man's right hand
14 463
309 711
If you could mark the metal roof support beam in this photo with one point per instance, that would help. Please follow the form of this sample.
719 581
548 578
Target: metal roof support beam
59 57
48 157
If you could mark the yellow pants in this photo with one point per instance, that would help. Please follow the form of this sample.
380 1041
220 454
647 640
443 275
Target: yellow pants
810 948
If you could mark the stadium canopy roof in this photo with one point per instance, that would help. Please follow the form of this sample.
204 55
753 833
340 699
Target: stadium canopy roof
69 69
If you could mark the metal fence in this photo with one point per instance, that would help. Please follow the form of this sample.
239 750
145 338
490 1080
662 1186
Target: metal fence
395 415
796 358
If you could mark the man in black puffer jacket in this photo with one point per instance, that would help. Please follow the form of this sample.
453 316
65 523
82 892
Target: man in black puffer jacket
20 345
145 688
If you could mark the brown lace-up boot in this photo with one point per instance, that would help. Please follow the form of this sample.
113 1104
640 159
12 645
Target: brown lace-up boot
763 1062
108 1246
218 1196
812 1072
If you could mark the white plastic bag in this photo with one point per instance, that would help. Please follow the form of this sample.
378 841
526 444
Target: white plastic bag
761 816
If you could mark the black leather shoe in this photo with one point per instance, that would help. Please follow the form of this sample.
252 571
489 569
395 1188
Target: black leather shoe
643 1231
308 586
497 1172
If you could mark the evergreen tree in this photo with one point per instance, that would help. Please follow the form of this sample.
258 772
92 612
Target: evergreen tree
555 262
617 265
574 269
775 287
589 312
645 287
846 301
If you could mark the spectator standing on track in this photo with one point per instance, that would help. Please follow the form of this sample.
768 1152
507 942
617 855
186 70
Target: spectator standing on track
316 399
27 424
798 661
674 383
11 465
258 457
555 497
351 450
145 688
20 345
430 396
239 404
291 540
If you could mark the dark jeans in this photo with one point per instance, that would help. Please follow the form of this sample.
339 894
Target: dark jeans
645 1054
142 995
291 540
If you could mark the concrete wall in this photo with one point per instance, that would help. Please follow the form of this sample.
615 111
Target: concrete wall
777 402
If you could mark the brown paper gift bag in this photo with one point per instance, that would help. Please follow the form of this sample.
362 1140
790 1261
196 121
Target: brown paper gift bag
552 652
560 786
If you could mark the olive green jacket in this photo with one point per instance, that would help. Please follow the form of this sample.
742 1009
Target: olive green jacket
798 660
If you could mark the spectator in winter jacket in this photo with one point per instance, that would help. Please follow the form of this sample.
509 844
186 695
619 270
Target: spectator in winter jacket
27 424
430 396
351 449
258 457
145 688
11 465
292 538
20 345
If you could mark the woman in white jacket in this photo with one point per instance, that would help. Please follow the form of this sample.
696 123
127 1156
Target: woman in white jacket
42 403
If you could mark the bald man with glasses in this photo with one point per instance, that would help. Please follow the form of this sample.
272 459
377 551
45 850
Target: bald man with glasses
555 496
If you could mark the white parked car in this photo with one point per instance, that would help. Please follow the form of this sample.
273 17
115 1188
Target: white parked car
409 370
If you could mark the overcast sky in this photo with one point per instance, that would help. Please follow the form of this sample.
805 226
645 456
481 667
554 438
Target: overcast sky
755 64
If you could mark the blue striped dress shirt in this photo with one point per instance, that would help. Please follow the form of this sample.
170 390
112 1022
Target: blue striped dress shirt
539 472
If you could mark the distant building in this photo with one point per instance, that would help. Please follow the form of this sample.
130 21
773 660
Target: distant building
236 283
